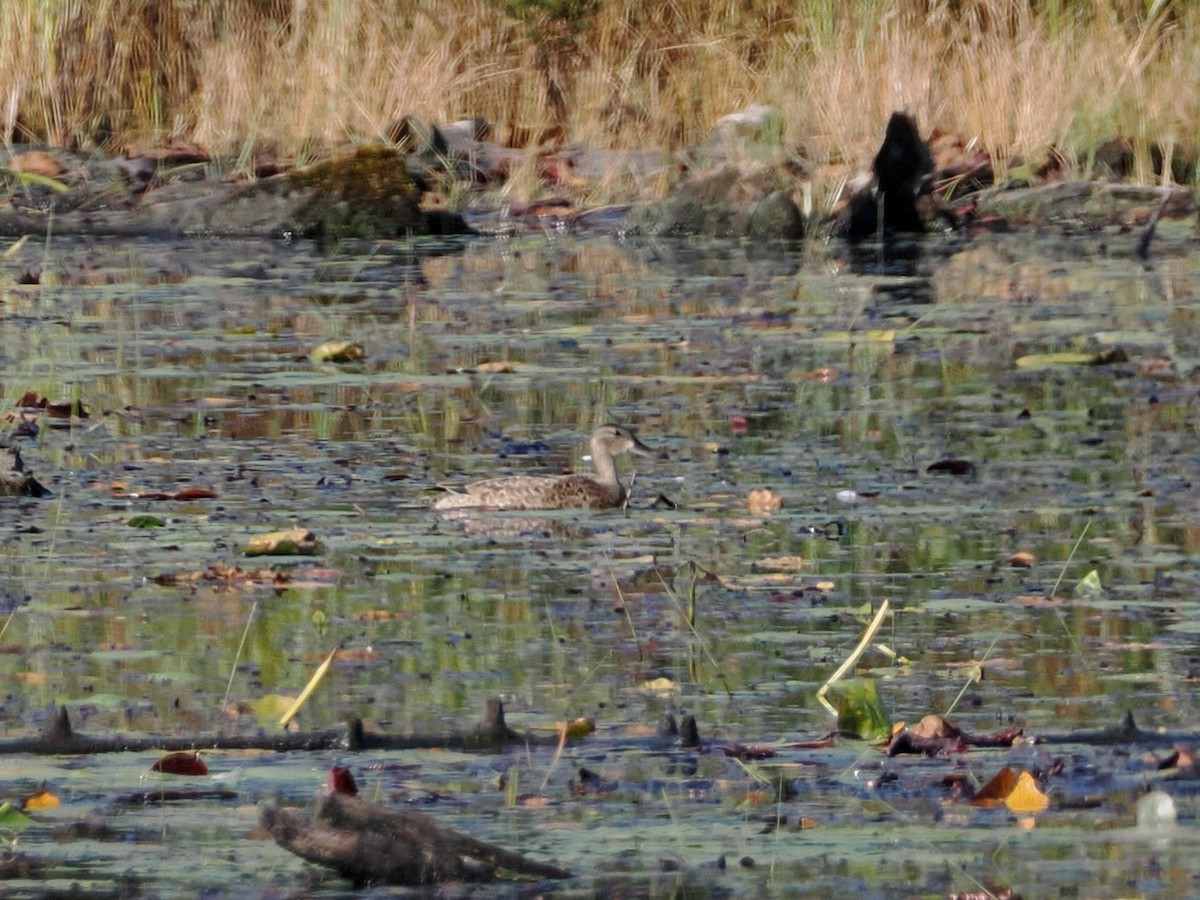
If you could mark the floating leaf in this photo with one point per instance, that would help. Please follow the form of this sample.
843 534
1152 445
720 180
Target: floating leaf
781 563
658 686
43 799
1026 796
145 521
1089 587
932 735
763 502
185 762
996 791
860 711
1035 361
12 818
337 352
500 367
580 728
296 542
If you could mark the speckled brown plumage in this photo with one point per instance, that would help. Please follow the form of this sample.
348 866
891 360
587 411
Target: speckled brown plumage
603 489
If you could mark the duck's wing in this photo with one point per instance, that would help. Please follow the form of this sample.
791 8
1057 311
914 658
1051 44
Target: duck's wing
515 492
582 492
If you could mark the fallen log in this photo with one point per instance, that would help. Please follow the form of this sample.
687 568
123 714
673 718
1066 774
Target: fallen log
60 739
372 844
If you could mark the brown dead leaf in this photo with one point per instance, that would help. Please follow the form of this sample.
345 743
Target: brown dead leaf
932 736
1182 758
231 576
935 726
1158 368
36 162
781 563
996 791
497 367
763 501
293 542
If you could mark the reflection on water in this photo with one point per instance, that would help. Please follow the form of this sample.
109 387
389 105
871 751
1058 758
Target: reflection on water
847 374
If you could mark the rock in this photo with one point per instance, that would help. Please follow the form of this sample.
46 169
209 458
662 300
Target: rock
368 193
749 200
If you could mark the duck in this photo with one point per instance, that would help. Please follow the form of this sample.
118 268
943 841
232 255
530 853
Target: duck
597 491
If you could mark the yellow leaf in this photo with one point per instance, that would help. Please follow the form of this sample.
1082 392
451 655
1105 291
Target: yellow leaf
41 800
781 563
1026 797
337 352
658 686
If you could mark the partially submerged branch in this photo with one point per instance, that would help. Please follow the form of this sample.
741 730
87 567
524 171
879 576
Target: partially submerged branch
369 843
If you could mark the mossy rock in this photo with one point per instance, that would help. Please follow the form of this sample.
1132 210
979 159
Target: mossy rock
368 194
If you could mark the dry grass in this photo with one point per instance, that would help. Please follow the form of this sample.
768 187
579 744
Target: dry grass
302 76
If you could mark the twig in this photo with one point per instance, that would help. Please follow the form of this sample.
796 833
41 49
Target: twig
236 657
863 644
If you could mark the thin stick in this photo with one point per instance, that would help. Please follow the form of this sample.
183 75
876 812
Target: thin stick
863 644
236 657
308 689
624 609
8 621
1063 571
562 743
972 677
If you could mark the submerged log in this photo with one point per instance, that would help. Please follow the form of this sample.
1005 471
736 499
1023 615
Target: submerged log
369 843
59 738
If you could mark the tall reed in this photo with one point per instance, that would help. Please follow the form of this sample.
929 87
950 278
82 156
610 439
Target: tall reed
1016 76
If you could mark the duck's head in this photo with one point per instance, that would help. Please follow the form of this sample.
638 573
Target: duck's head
613 440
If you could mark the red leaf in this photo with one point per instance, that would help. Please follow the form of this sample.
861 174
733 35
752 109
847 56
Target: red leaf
340 781
183 763
195 494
